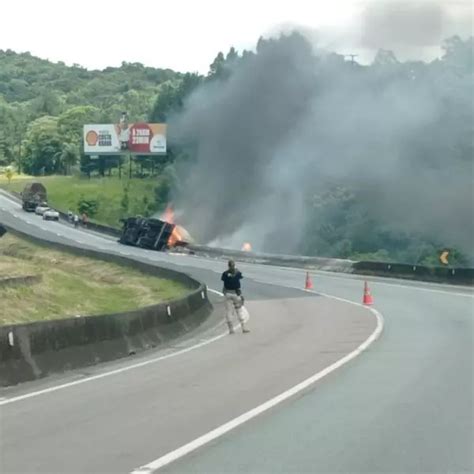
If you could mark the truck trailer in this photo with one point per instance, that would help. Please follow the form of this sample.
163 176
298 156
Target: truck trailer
32 196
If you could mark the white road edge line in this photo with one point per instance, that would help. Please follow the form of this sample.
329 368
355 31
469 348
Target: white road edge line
335 275
55 388
230 425
377 280
373 284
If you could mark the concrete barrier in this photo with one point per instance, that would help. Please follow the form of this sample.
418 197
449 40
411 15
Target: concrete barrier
316 263
142 266
452 275
458 276
104 229
34 350
455 276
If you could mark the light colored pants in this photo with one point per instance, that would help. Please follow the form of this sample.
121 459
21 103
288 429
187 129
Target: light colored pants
233 302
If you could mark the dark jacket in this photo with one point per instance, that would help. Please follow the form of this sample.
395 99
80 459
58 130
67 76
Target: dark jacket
232 280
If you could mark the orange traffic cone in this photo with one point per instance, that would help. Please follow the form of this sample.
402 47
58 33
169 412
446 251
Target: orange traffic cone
367 296
308 284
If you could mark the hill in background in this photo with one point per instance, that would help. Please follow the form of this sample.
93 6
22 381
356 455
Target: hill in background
32 90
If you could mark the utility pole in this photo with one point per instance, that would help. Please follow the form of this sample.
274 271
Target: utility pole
18 137
352 56
19 156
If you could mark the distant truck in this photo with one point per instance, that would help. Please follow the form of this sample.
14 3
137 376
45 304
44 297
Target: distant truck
33 195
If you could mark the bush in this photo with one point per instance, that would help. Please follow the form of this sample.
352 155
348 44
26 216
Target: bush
89 206
125 202
162 194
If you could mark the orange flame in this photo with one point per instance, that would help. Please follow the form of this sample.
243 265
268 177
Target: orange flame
168 216
175 237
247 247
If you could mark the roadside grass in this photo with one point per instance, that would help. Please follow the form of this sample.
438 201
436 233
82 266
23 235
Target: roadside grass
12 267
64 193
72 285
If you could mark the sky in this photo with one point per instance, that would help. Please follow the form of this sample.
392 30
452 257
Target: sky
186 35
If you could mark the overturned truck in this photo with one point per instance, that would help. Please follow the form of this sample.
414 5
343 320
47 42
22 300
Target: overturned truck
153 234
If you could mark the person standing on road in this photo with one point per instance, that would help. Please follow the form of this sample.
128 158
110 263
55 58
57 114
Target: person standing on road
234 300
76 220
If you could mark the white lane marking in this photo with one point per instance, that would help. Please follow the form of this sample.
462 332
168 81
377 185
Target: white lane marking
9 197
112 372
374 279
215 291
422 288
230 425
343 276
55 388
374 283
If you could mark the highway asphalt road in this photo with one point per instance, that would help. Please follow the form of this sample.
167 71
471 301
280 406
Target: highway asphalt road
404 405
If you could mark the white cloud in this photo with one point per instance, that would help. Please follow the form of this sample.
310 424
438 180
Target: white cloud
182 35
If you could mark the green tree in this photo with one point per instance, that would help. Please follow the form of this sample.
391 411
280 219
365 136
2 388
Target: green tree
162 194
71 122
12 131
458 54
88 206
148 207
125 201
172 96
164 103
48 103
385 57
43 147
232 55
216 68
67 157
9 174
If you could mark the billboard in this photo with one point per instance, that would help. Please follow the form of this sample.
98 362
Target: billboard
136 138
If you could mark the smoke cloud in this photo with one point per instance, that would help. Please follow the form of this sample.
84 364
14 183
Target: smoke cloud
290 127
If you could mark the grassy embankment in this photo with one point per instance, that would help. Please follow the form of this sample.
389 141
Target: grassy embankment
64 193
72 285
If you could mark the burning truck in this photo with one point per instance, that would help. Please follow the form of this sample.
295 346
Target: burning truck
154 234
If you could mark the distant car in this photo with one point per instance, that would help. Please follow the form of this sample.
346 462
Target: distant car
50 215
41 208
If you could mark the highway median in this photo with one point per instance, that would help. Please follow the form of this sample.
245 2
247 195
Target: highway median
65 308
